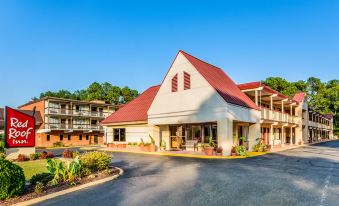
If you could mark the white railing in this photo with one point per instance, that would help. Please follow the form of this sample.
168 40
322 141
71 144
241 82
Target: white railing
72 112
272 115
61 126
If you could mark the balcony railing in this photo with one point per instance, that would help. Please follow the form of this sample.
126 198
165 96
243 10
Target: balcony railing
74 112
61 126
272 115
319 125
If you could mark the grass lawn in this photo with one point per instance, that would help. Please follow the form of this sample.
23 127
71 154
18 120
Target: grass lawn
32 167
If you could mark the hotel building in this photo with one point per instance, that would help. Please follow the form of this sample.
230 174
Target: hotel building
198 101
71 122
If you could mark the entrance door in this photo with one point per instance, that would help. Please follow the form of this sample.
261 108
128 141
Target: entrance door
95 139
177 134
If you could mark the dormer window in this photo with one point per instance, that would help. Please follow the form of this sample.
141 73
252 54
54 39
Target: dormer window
187 81
175 83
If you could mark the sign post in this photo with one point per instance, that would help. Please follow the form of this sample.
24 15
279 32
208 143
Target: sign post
19 133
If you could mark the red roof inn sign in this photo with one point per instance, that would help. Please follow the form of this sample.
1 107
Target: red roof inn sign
19 131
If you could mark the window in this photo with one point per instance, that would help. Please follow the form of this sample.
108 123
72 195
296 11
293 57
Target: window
61 137
87 137
207 133
187 81
48 137
69 137
175 83
80 137
119 135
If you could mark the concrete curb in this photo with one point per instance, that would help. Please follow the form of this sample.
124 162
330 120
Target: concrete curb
182 155
72 189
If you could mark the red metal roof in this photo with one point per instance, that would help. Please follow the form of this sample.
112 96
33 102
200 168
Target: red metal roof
136 110
299 97
221 82
253 85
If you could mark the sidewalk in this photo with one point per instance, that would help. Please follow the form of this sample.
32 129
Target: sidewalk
201 155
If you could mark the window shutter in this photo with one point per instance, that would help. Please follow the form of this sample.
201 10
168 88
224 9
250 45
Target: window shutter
175 83
187 81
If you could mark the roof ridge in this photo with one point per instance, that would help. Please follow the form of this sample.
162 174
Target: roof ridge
201 60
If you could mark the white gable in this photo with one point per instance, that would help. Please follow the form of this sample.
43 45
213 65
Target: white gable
200 103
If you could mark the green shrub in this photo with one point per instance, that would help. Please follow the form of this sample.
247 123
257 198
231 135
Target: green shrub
12 179
35 156
240 150
42 177
62 172
96 161
39 188
58 144
2 144
2 155
75 153
260 146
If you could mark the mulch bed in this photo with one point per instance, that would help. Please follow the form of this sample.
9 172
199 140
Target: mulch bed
30 194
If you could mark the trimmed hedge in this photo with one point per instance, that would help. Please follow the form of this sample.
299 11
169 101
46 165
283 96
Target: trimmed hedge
96 161
12 179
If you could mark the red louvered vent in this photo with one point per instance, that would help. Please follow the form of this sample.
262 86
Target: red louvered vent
187 81
175 83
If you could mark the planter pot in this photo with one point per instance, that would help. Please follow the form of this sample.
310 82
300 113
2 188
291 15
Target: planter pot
111 145
209 151
147 148
141 147
219 154
234 154
133 147
121 145
153 148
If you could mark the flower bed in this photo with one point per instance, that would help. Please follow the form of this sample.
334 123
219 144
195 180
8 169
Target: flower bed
61 174
29 192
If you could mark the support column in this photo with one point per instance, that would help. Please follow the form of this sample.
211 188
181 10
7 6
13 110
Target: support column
253 134
291 137
282 136
271 136
256 97
225 135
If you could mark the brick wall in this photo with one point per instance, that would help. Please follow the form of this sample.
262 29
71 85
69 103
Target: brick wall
39 106
41 139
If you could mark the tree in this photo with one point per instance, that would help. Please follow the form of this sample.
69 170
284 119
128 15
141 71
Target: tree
80 94
95 91
128 94
115 95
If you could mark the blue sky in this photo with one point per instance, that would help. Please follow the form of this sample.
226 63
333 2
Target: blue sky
65 44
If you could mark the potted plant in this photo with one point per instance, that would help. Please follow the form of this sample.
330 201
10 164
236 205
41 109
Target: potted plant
243 141
152 146
233 153
219 151
209 149
111 145
141 144
163 145
240 150
147 147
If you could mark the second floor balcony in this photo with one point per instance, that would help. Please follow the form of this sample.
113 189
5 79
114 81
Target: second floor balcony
277 116
61 126
74 112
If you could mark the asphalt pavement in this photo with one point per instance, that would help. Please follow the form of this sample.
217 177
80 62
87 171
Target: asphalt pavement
307 175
